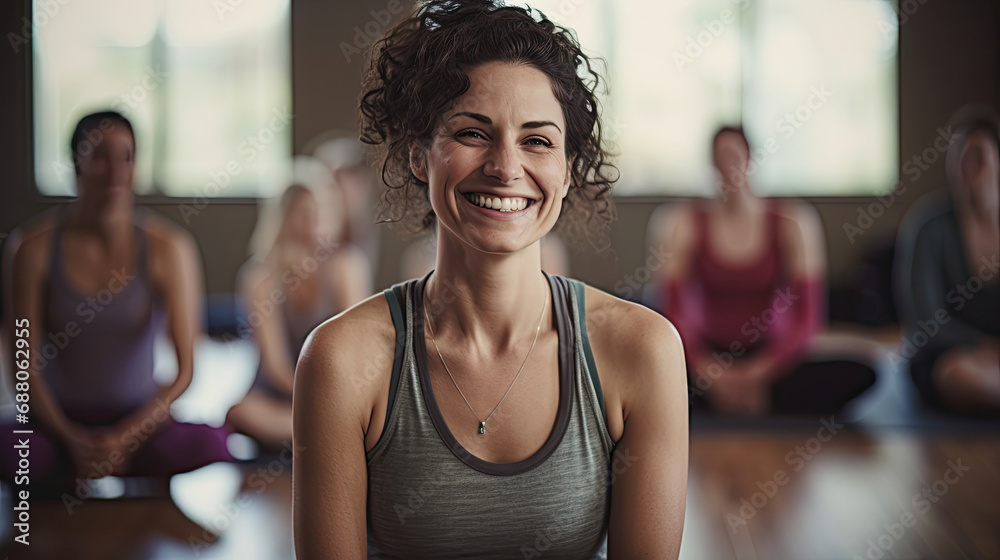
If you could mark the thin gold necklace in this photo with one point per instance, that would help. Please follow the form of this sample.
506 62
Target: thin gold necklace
482 423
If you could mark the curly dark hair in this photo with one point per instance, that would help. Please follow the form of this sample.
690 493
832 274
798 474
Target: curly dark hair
419 68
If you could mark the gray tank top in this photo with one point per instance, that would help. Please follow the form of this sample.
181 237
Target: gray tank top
430 498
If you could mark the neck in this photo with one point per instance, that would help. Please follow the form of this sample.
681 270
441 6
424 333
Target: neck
111 224
978 212
739 199
489 301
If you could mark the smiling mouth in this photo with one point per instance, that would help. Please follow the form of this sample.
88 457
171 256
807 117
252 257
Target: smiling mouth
500 204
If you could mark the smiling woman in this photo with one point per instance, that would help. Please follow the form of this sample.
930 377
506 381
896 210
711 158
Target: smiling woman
504 444
407 89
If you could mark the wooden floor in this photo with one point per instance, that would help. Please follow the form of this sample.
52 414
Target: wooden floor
752 495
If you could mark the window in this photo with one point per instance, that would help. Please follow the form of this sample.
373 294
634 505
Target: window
813 82
207 86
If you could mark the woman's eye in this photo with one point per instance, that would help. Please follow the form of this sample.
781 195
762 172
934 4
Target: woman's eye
536 141
471 134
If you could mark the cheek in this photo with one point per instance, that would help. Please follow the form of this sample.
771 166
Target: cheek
553 169
447 159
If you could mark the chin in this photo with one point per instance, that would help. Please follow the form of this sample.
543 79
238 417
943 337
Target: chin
496 242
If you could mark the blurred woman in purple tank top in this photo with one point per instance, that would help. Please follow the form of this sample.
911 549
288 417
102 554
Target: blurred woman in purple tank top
99 280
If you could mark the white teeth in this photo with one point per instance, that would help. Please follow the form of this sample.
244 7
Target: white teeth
513 204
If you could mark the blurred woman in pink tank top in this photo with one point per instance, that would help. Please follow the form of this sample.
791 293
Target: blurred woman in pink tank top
745 286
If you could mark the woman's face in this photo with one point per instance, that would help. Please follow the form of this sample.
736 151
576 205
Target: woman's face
105 162
980 169
502 141
302 219
731 159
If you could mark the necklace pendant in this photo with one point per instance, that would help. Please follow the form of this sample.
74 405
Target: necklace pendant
482 427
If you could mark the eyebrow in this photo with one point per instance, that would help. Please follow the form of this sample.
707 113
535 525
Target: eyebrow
486 120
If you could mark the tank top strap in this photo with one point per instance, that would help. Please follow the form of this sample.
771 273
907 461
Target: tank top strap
701 230
55 266
141 242
395 297
774 228
139 218
579 288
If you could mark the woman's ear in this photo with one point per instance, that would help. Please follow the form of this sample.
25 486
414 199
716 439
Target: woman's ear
569 176
418 162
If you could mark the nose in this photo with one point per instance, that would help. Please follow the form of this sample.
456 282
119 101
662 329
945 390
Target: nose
504 163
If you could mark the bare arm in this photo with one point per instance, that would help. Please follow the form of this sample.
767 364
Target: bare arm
269 333
649 487
176 271
678 234
331 411
352 277
25 265
803 241
804 246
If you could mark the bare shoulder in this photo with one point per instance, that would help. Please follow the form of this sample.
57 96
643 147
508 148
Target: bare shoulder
166 238
637 351
628 329
349 255
28 247
172 252
348 358
800 217
802 234
368 319
252 276
671 222
346 263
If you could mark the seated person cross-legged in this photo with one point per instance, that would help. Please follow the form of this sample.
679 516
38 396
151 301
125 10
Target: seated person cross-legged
297 278
946 275
744 285
94 283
